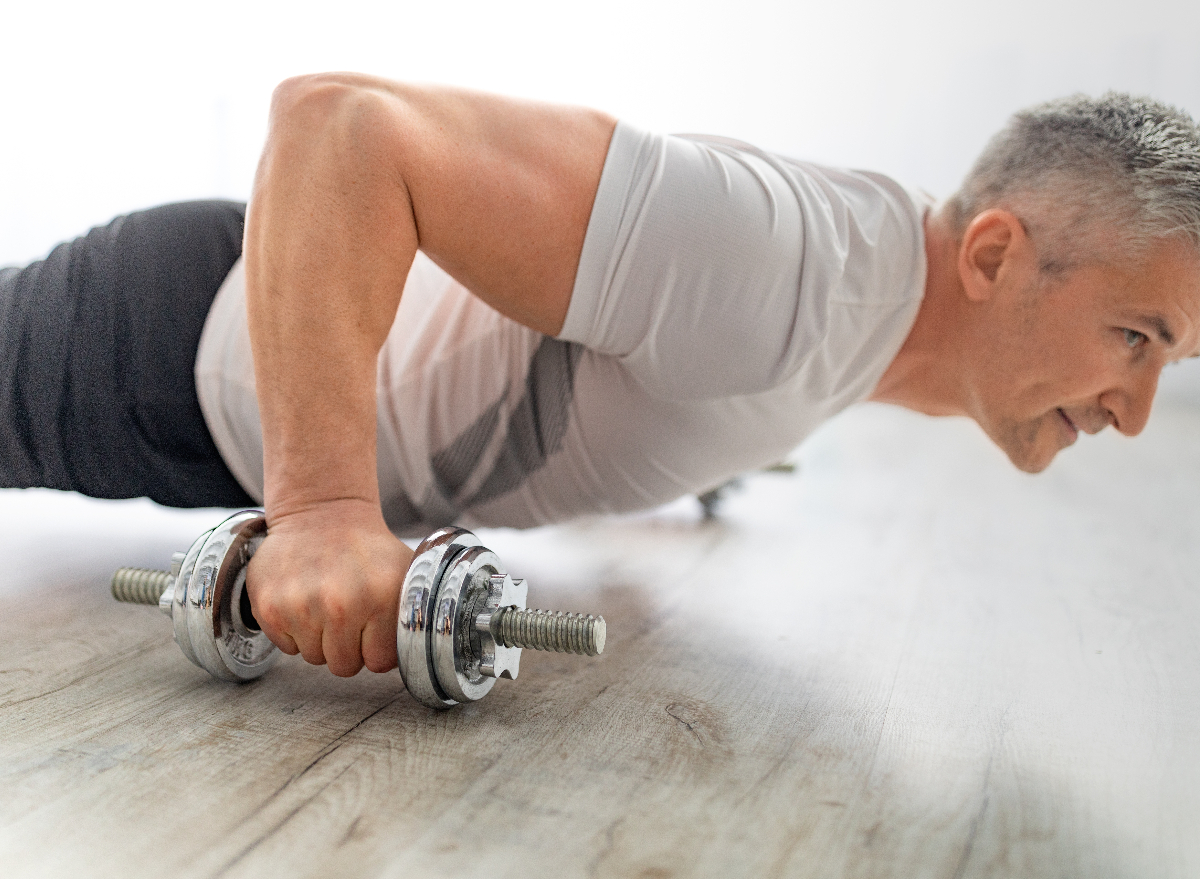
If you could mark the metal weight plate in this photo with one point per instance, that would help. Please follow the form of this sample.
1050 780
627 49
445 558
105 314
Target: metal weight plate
463 591
179 613
414 649
247 652
225 643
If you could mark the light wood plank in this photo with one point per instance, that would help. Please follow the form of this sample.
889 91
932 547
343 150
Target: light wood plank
908 661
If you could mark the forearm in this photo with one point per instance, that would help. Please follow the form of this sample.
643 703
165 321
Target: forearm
330 237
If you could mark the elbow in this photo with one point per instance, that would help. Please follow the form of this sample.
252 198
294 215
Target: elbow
341 106
311 98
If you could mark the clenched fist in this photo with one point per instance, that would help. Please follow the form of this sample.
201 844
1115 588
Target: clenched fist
326 584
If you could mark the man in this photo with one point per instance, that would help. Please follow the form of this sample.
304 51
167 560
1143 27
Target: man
596 319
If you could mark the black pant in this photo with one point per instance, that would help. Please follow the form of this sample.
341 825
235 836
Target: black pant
97 348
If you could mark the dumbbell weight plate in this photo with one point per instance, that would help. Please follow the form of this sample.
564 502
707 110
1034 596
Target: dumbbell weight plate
211 605
474 583
414 647
178 598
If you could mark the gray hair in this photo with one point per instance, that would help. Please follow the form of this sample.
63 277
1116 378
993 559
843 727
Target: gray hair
1085 173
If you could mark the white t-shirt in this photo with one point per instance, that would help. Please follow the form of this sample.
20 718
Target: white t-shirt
727 302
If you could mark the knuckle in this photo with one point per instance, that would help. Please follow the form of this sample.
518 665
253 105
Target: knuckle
270 618
334 608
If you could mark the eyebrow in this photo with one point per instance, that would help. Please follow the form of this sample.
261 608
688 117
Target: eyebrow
1159 323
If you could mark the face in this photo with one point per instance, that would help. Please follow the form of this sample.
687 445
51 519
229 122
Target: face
1081 352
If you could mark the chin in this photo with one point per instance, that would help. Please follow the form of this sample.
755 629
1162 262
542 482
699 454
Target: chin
1031 465
1026 445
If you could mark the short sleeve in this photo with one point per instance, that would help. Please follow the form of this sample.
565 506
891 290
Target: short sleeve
712 269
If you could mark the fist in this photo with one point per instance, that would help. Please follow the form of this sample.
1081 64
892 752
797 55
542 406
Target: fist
325 583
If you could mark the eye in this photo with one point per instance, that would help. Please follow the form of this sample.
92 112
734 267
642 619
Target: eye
1135 339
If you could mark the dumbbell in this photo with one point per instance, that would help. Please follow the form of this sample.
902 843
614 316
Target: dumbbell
462 624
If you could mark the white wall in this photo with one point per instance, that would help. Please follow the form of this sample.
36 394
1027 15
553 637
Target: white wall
113 106
110 107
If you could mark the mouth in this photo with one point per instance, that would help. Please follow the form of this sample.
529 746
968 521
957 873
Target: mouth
1071 426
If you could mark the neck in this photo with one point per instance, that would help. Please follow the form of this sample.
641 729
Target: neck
926 373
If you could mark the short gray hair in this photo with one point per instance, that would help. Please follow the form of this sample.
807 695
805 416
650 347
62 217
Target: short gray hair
1080 168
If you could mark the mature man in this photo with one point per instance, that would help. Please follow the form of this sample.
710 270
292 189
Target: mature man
593 319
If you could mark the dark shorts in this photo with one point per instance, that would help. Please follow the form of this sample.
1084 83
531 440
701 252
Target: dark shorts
97 348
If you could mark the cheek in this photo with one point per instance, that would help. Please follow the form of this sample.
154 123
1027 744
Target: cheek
1064 373
1095 369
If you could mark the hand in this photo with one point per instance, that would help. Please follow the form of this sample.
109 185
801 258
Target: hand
325 583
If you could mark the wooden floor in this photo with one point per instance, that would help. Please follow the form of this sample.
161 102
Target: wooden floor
909 660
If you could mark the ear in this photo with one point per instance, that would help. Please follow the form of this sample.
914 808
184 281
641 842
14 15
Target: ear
994 247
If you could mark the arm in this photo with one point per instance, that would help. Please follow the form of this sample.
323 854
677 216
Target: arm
356 175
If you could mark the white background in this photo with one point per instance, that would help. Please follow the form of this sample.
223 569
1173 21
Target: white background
108 107
112 106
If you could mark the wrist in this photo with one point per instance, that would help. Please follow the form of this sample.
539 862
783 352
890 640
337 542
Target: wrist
325 513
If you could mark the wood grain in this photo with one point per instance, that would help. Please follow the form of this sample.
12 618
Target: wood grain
909 660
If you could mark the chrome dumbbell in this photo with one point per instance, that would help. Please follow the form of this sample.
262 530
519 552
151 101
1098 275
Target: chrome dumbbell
462 624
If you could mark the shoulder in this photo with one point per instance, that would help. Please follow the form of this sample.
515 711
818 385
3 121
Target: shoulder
710 267
852 219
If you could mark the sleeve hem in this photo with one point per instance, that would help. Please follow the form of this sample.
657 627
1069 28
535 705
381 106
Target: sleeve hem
621 168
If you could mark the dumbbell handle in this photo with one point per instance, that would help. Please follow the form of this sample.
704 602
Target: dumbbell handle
555 631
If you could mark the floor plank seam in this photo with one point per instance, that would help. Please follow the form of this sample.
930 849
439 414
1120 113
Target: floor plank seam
609 835
977 819
969 846
280 824
328 749
113 663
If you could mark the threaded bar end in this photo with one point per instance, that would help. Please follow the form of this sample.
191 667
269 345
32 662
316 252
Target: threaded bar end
140 585
555 631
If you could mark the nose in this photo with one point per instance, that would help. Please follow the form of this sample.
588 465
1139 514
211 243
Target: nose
1130 405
